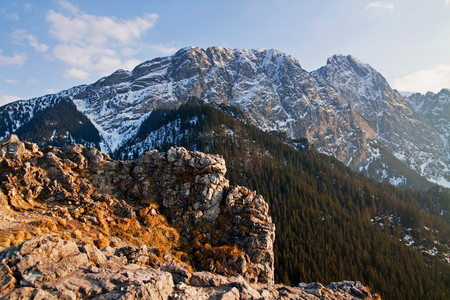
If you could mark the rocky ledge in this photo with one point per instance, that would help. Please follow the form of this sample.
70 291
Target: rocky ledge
47 267
76 224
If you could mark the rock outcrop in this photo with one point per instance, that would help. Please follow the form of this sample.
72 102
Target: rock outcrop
47 267
226 230
76 225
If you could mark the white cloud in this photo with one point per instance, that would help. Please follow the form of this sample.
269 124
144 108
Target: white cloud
68 6
12 81
76 73
20 35
85 29
164 49
423 81
50 91
380 5
18 59
5 99
447 1
12 16
96 44
37 46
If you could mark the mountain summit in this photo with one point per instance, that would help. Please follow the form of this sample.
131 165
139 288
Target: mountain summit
408 135
345 109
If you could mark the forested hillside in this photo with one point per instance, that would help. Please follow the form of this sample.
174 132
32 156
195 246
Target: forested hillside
59 125
332 223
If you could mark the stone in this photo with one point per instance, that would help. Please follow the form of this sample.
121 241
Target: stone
7 280
94 254
179 274
206 279
45 248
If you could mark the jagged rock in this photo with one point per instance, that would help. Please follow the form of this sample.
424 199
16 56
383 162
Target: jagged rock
179 274
94 254
353 288
7 280
73 272
206 279
189 186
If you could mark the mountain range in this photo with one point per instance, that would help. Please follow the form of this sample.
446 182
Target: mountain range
345 109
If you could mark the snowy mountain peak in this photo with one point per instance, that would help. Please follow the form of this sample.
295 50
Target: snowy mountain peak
405 132
342 108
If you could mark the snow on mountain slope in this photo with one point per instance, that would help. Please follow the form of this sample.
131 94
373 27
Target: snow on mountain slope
436 109
339 108
408 135
270 86
15 114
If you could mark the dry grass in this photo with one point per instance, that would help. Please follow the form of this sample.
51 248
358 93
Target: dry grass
48 225
5 240
62 222
101 241
66 236
77 234
375 296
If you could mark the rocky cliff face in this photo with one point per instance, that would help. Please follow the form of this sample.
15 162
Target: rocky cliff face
436 109
409 136
268 85
76 224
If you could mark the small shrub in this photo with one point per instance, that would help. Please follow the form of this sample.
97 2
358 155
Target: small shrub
77 234
101 242
48 225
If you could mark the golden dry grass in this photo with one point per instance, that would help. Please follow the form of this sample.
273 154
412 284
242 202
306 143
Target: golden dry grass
101 241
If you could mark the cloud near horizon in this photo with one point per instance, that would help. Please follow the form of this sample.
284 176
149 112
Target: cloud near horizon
431 80
20 35
380 5
12 16
5 99
17 60
95 44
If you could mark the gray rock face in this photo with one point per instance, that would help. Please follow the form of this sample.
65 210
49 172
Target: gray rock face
436 109
47 267
406 133
52 268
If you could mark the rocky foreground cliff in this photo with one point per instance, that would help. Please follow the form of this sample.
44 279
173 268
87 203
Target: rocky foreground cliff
75 224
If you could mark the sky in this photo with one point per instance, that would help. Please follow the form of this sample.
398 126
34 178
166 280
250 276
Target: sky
51 45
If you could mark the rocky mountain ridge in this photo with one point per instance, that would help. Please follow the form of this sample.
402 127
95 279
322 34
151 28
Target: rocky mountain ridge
150 218
410 135
345 109
436 109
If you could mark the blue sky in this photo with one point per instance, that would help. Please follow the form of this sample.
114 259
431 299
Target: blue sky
50 45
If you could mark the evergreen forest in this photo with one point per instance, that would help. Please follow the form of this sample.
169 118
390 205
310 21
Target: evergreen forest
332 223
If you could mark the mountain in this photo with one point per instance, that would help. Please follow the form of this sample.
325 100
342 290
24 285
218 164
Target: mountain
436 109
409 136
276 94
332 223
